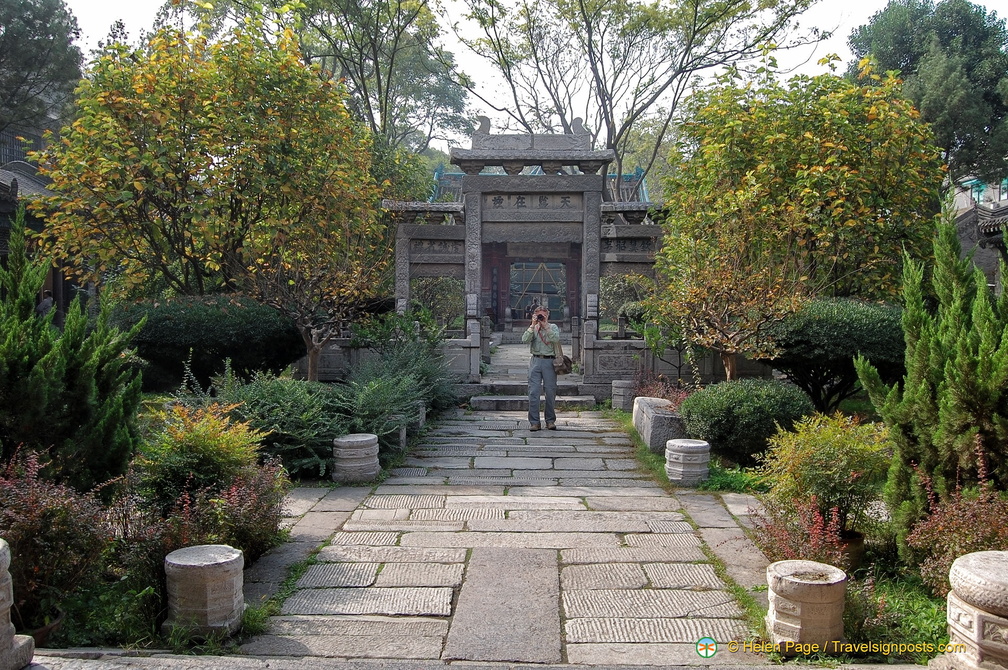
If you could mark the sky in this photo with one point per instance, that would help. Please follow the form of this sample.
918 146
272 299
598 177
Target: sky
95 17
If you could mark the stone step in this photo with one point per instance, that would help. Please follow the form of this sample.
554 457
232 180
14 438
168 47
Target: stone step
516 402
520 387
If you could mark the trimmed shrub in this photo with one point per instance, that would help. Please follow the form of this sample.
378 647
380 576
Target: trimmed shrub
738 417
210 329
198 449
57 537
819 343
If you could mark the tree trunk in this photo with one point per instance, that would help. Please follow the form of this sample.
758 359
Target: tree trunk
729 360
314 354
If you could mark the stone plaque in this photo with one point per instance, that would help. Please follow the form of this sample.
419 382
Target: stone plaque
573 202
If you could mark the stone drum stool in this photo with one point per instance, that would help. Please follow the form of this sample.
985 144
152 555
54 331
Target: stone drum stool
205 590
686 461
977 612
355 458
16 651
806 604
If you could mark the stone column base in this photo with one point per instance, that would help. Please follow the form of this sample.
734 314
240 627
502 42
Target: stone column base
984 635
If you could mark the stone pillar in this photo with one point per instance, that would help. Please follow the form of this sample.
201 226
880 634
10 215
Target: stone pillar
806 604
16 651
402 271
623 394
205 590
355 458
977 612
686 461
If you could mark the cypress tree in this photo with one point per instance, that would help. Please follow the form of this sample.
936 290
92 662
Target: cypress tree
951 410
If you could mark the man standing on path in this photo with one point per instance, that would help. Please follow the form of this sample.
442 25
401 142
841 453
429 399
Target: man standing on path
542 337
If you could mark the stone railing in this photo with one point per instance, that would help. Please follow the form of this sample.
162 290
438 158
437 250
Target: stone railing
16 651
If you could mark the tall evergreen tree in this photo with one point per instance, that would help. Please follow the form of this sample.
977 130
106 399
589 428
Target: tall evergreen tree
951 411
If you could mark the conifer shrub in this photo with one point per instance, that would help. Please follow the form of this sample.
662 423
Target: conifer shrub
738 417
952 398
68 392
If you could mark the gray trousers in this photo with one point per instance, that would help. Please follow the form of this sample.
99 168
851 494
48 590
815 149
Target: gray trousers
541 376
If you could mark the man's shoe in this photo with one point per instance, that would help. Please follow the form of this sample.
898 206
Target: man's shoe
534 427
550 425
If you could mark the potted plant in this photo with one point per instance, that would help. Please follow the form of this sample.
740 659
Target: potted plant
837 463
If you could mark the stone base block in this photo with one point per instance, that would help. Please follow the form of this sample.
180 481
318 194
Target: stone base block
19 655
656 423
686 461
205 594
623 395
355 458
806 602
984 635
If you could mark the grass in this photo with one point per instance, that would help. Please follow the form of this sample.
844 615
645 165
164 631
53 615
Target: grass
734 480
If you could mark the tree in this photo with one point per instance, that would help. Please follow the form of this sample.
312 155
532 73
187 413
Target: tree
39 65
949 417
611 62
68 392
954 58
782 193
183 149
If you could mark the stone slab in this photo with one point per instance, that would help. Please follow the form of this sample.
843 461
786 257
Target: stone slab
515 540
408 472
374 600
444 462
402 525
333 575
739 504
620 463
587 491
507 609
256 593
357 625
344 646
686 631
438 489
654 655
503 481
457 513
743 560
622 503
604 576
435 477
588 523
613 483
421 574
632 555
380 515
586 464
513 463
511 502
661 540
391 554
342 499
683 576
366 538
275 563
663 526
628 477
706 510
405 501
650 603
317 526
601 516
301 499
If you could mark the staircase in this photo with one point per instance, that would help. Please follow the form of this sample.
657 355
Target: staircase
504 386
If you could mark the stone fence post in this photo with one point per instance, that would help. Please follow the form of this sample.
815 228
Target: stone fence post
16 651
977 613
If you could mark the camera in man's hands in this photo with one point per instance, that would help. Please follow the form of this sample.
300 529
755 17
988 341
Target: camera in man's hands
540 317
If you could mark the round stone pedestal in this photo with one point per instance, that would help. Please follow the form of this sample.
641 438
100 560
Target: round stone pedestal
977 612
806 605
205 594
686 461
355 458
16 651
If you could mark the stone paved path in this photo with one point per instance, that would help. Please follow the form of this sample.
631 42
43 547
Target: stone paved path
496 544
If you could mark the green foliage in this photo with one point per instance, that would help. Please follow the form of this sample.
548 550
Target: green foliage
70 392
298 419
442 297
890 609
953 57
965 522
738 417
735 479
797 529
206 330
834 460
818 344
56 536
615 291
197 449
949 418
39 64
